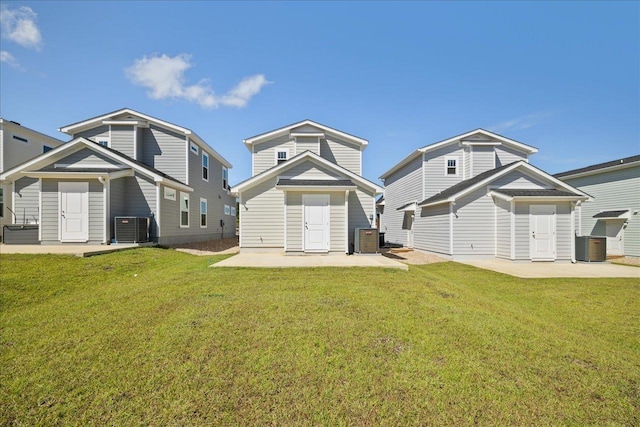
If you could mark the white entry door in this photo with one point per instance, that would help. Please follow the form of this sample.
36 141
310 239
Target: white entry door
615 237
409 221
74 211
316 222
542 232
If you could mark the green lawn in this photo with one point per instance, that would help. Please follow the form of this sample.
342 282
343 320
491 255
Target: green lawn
155 337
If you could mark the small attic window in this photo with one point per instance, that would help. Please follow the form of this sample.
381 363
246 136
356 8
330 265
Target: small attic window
282 156
451 166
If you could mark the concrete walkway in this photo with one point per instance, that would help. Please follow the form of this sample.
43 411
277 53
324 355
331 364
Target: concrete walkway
556 269
65 249
278 260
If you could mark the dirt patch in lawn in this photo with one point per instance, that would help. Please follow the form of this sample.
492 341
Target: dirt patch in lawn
210 247
409 256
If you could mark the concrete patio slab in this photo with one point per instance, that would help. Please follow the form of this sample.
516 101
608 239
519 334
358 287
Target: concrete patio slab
278 260
64 249
556 269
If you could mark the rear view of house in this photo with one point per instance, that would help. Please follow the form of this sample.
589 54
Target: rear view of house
475 196
17 145
613 212
306 194
126 164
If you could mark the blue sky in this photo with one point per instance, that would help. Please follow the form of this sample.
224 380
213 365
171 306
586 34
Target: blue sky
561 76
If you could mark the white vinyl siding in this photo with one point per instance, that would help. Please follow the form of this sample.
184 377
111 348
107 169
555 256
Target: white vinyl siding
435 179
295 221
611 190
474 225
503 228
309 170
360 211
122 139
86 158
264 154
505 155
342 153
483 159
307 144
519 180
262 216
431 229
50 211
563 230
95 134
402 187
26 201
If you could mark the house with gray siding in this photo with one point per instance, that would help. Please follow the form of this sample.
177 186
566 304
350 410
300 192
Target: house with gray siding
475 195
613 212
306 193
18 144
126 164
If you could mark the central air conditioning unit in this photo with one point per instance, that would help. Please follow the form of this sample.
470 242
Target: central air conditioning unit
366 241
131 229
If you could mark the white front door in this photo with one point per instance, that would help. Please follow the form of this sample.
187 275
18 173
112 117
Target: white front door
74 211
409 220
542 232
615 240
316 222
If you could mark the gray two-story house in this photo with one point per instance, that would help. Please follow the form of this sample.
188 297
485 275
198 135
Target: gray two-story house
475 195
306 193
126 164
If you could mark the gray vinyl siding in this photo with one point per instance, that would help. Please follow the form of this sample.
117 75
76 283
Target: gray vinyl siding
505 155
50 211
503 228
482 159
122 139
165 151
519 180
306 129
360 208
26 200
139 143
611 190
308 170
341 153
307 144
262 216
100 131
563 230
435 179
85 158
401 187
133 196
294 221
431 229
337 222
474 225
96 212
466 162
264 154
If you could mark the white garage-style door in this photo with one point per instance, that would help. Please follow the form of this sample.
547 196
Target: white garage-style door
74 211
316 222
542 232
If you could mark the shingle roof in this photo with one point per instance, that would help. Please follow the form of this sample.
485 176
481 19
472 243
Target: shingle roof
534 193
605 165
445 194
610 214
316 182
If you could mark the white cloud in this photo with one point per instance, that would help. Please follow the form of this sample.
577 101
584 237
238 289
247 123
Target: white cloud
19 25
9 59
520 123
164 78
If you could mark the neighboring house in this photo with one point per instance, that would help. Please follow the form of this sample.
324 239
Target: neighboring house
306 194
615 187
17 145
475 196
126 163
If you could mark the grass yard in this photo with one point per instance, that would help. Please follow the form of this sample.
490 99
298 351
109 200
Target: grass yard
155 337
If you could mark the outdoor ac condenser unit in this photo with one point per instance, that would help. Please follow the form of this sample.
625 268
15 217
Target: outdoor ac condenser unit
366 241
131 229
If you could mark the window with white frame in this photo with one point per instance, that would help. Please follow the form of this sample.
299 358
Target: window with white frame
227 210
225 176
101 140
282 156
184 209
205 166
203 213
1 203
451 165
233 211
194 148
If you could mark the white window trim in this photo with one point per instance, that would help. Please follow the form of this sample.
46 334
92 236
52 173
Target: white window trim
206 213
193 148
205 155
281 150
233 211
446 165
227 210
103 138
225 170
182 196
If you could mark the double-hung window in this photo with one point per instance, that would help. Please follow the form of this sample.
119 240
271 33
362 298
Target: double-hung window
1 203
282 156
184 210
451 165
205 166
225 176
203 213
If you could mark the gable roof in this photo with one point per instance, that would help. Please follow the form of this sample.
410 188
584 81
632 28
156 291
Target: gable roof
296 160
77 144
461 139
600 167
108 119
287 129
460 189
